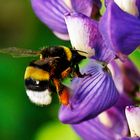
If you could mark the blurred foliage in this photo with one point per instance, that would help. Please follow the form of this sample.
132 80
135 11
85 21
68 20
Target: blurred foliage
20 119
61 131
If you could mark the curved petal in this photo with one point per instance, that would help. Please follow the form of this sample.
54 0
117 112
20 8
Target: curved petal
131 77
117 75
91 95
51 12
123 101
133 118
93 130
84 6
128 138
125 38
85 36
107 2
114 120
126 76
83 32
109 125
128 6
138 5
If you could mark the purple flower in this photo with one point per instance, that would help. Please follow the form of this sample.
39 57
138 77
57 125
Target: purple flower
51 12
115 35
133 118
138 5
85 36
131 77
127 81
91 95
126 76
109 125
123 101
128 138
130 6
120 29
116 75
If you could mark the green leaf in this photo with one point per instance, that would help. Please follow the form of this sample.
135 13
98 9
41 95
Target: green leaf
56 131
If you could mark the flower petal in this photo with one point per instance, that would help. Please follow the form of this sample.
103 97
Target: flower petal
85 36
91 95
138 5
126 76
51 12
125 38
115 120
93 130
133 118
123 101
82 31
128 6
84 6
128 138
113 126
117 75
131 76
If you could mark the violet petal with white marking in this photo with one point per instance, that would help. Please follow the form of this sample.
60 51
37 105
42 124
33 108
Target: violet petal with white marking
85 36
109 125
51 13
120 29
133 118
91 95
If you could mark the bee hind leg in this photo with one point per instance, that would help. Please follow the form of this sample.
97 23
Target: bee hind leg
63 92
66 72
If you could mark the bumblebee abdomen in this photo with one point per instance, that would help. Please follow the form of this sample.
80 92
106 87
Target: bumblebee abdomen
36 73
36 85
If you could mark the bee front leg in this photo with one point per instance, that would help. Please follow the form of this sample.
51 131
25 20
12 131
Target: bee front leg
63 92
66 72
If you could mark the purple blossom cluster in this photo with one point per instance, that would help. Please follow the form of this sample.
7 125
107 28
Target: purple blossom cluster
102 104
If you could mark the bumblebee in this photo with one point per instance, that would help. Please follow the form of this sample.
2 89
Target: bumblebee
43 76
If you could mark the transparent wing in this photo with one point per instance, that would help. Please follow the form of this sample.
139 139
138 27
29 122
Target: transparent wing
19 52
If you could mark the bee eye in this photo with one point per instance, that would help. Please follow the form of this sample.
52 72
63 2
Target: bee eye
36 85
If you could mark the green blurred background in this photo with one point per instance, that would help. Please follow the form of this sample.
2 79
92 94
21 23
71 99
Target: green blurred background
19 118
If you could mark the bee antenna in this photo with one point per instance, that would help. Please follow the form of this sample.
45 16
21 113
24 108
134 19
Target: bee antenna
82 51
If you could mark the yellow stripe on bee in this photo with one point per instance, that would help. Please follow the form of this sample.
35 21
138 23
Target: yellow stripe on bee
68 53
36 73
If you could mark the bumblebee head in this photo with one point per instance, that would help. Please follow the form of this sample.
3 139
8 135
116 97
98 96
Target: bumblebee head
37 84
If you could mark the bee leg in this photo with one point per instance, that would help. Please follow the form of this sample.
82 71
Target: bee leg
63 92
66 72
